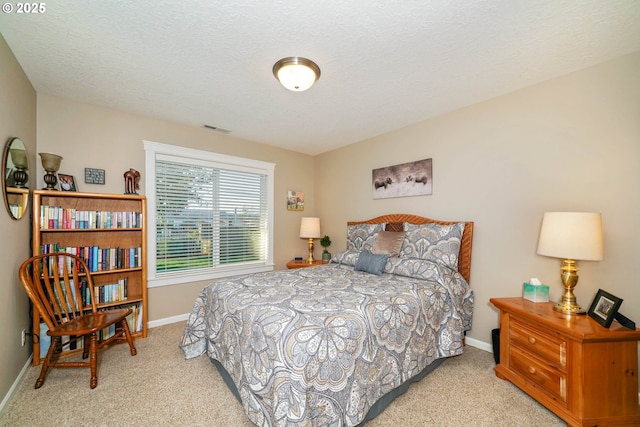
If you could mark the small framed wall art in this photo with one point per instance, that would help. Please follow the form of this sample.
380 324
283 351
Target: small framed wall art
295 200
93 176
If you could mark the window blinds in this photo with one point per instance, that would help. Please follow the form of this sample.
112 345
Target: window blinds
208 217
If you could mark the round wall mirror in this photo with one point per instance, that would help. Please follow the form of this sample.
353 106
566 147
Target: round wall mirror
15 177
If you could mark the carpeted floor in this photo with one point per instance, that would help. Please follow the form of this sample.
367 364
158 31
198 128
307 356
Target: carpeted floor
158 387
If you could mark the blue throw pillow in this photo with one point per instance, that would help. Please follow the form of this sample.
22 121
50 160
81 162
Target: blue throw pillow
371 263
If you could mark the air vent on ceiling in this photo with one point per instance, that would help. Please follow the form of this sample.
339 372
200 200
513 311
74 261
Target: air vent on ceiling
217 129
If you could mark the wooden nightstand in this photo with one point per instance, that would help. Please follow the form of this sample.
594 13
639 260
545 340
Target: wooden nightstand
302 264
585 373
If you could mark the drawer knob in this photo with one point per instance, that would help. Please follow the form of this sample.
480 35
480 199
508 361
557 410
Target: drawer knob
532 370
532 340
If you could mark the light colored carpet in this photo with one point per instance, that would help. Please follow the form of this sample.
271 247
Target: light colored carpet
158 387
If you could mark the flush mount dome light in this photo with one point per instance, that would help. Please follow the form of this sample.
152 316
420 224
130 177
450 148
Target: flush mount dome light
296 73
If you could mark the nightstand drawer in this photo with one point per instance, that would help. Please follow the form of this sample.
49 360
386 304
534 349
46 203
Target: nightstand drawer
546 347
545 377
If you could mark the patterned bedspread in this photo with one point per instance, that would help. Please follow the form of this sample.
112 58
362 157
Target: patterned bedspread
319 346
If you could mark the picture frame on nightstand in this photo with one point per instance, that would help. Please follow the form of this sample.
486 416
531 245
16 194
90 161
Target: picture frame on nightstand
604 308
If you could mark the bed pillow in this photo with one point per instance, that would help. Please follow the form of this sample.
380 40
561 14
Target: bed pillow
346 258
371 263
362 236
412 267
388 242
433 242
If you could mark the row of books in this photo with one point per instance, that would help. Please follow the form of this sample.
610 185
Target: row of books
113 292
134 320
16 210
100 259
102 294
57 217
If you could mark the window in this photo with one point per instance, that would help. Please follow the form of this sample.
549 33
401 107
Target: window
210 215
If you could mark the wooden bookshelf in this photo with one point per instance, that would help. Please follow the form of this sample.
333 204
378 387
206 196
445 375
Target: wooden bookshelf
106 224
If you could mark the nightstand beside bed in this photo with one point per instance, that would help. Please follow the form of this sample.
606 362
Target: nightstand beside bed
584 373
302 264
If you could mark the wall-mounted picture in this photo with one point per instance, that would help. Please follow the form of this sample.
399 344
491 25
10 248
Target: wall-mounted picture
604 307
405 179
295 200
67 182
93 176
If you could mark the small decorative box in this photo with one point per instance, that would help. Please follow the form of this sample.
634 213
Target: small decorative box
535 293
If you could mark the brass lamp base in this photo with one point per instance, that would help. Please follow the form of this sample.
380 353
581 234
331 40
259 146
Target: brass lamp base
310 259
568 308
569 275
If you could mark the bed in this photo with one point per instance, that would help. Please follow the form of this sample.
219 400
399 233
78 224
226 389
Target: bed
333 345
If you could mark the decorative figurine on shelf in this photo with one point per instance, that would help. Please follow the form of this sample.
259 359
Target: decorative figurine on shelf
131 181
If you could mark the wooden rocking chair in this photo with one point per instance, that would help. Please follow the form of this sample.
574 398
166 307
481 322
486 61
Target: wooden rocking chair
52 282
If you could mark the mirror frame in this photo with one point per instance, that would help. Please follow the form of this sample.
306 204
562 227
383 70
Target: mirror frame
22 194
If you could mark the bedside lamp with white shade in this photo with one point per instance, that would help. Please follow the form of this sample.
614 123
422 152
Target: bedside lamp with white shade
571 236
310 229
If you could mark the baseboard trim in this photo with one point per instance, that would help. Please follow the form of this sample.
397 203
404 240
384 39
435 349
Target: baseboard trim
15 384
168 320
479 344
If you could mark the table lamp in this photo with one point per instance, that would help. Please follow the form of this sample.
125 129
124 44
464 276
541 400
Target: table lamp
571 236
51 164
310 229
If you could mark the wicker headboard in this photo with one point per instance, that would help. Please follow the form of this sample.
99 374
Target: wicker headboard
395 223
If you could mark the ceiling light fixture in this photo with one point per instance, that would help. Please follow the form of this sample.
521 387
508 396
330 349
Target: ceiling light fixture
295 73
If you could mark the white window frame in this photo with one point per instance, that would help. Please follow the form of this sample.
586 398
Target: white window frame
152 150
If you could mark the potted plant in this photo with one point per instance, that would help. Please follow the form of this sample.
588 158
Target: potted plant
325 242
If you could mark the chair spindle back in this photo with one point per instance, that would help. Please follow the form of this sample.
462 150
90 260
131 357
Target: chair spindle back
54 282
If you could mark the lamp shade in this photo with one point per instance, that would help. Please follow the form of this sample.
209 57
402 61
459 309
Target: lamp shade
295 73
19 158
50 162
310 228
572 235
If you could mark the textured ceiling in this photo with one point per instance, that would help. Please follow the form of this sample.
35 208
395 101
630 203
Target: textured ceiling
385 64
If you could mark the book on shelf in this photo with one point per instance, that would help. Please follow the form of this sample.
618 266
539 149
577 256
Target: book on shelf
67 342
138 318
44 340
107 332
134 319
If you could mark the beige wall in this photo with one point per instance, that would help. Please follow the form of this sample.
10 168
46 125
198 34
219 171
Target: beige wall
17 119
569 144
89 136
